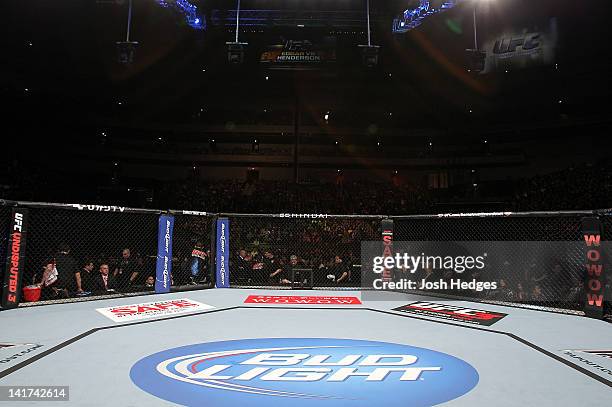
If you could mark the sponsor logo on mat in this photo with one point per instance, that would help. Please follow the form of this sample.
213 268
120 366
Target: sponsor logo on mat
134 312
12 345
303 372
452 312
583 357
602 353
31 347
298 299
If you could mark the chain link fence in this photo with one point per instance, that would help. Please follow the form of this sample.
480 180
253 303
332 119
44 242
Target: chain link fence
606 225
192 250
537 260
264 249
82 251
77 252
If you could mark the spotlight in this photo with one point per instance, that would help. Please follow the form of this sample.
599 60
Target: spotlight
235 52
476 60
369 55
125 51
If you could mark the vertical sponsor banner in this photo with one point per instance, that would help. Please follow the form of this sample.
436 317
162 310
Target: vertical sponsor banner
15 258
387 241
163 272
595 278
222 263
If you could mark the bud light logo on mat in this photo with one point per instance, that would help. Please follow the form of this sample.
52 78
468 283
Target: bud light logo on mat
303 372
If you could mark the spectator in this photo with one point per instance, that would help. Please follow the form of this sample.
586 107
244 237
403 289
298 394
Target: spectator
284 276
150 283
126 271
199 265
67 268
104 281
243 267
270 266
338 272
85 278
537 295
50 283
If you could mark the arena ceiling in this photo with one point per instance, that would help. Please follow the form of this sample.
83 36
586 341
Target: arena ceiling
59 61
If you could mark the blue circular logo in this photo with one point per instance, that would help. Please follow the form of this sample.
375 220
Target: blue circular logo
303 372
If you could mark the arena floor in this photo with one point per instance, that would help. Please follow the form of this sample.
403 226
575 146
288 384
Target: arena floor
527 358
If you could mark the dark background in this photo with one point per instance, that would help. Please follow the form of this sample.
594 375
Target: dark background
419 124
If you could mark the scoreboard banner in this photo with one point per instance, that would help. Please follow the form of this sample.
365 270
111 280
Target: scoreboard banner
300 55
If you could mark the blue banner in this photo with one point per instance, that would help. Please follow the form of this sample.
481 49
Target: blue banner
163 271
222 263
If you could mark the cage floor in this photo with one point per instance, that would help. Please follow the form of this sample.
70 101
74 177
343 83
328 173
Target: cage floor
527 358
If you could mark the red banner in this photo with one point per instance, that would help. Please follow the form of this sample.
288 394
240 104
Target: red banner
298 299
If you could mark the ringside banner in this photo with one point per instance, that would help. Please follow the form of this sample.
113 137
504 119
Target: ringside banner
299 299
222 263
11 287
163 278
135 312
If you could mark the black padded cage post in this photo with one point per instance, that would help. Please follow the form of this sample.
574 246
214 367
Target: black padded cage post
5 215
596 268
17 231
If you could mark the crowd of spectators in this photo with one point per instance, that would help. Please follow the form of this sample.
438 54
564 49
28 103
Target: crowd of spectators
580 187
268 248
586 186
66 274
286 197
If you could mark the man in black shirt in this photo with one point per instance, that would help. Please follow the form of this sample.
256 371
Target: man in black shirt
338 272
67 267
244 268
271 268
85 277
126 271
285 276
